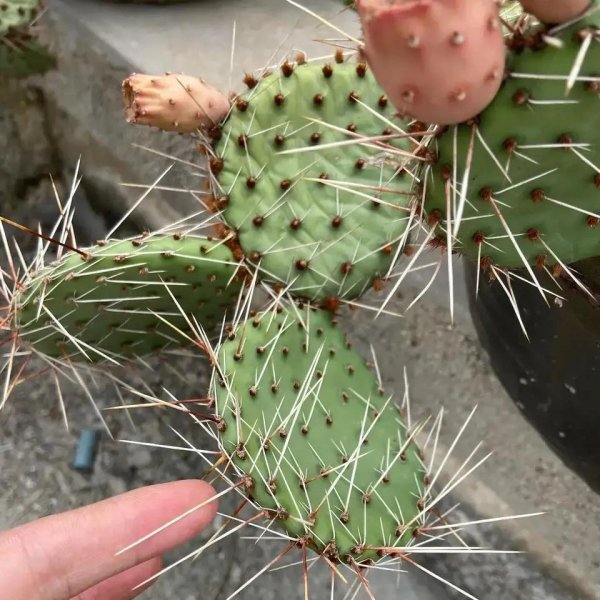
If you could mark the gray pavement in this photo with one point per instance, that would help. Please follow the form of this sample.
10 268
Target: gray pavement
99 44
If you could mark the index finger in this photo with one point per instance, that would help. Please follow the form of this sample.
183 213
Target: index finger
63 555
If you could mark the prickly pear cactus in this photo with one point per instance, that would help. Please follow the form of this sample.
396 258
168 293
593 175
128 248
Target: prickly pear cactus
438 61
15 14
20 55
523 182
173 102
313 209
318 182
321 446
126 298
558 11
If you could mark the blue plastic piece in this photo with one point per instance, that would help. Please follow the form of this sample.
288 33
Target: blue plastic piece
87 449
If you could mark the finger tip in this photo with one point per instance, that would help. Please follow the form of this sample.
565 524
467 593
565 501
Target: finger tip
197 491
162 516
193 495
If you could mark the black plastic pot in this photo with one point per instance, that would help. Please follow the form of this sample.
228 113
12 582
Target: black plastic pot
555 378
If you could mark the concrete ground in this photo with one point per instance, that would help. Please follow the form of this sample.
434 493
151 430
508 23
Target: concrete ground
99 43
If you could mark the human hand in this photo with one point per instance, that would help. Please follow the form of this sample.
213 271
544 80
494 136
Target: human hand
73 555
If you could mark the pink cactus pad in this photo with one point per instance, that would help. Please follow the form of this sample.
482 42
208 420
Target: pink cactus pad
439 61
173 102
555 11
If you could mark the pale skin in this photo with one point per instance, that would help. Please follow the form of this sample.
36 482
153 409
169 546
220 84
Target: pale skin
73 555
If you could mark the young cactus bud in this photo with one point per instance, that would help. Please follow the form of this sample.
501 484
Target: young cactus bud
556 11
439 61
173 102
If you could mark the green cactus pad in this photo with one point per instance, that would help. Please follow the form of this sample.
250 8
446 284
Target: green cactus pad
304 418
16 14
317 220
109 303
530 113
20 55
